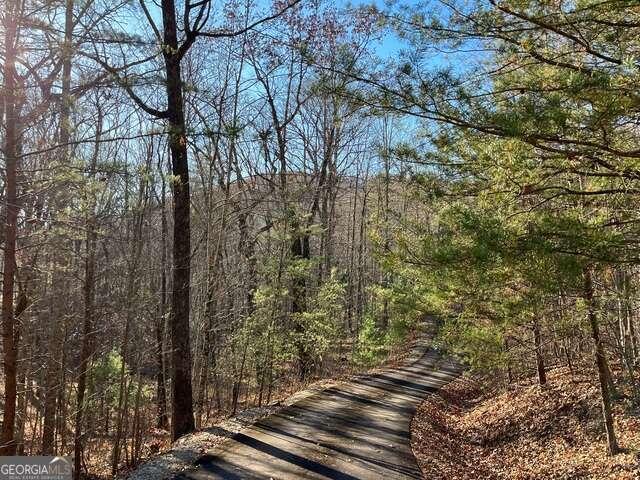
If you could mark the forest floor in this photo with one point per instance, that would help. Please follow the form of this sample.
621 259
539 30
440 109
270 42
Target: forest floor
525 432
356 428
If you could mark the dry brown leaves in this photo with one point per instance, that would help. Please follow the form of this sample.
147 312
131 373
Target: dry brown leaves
524 433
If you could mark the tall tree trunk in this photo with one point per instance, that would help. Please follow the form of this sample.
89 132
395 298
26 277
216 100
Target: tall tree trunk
162 420
537 342
630 339
386 154
351 294
182 400
136 431
89 306
601 363
23 403
505 348
87 343
56 358
51 380
61 416
132 287
360 262
12 133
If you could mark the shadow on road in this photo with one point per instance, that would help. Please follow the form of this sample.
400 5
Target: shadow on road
359 431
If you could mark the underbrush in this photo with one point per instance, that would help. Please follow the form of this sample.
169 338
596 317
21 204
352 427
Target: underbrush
468 432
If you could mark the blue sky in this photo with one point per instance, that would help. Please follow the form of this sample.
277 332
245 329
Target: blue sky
390 45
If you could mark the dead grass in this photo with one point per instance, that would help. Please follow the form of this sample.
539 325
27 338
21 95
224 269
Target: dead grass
523 433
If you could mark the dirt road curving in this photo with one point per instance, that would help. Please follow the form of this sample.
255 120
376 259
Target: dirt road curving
357 431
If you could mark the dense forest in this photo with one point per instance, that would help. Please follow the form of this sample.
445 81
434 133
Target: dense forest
208 206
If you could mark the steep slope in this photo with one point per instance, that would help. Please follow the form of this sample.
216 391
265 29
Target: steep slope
525 432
